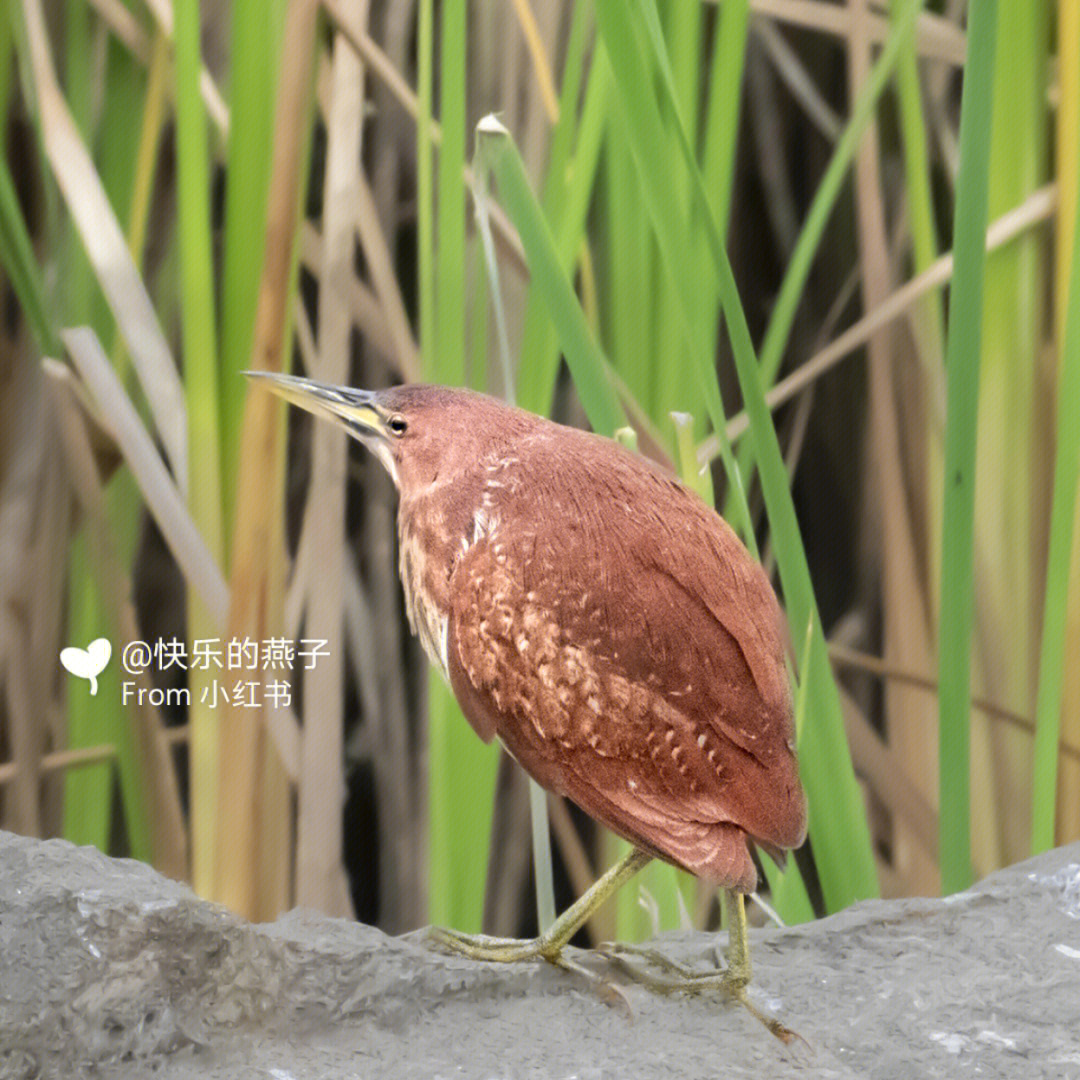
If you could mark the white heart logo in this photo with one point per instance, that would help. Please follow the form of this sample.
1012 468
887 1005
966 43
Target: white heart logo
87 663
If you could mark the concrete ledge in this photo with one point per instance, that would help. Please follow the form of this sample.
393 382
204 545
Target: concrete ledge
108 969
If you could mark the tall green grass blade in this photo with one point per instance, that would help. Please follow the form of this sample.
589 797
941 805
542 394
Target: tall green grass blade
460 787
202 392
461 768
449 356
153 108
197 280
20 265
125 88
78 65
962 372
124 509
817 218
487 248
479 333
721 124
567 194
565 128
699 480
583 355
838 825
1044 783
654 146
722 110
790 294
1012 498
672 385
425 173
77 290
920 200
257 27
800 262
89 793
7 73
629 300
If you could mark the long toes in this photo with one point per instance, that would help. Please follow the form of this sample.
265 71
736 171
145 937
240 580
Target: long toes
481 946
672 980
617 952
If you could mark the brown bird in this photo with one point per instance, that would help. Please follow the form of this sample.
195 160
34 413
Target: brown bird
600 620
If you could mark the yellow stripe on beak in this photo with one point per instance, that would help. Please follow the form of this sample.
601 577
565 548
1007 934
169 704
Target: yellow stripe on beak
353 409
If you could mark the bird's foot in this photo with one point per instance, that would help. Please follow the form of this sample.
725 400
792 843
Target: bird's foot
486 947
662 975
510 950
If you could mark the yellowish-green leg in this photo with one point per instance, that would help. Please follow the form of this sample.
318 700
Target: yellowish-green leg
550 943
678 978
737 973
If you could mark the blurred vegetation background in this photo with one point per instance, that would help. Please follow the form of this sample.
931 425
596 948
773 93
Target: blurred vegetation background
813 255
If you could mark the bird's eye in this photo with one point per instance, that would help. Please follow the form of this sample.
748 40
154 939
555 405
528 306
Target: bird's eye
397 425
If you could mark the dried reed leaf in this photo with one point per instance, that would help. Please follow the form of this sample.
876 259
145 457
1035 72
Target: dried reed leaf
937 37
161 793
382 67
118 416
320 874
59 760
380 260
797 79
1037 208
107 249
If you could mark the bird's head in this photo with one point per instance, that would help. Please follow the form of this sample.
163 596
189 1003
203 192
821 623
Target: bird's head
419 432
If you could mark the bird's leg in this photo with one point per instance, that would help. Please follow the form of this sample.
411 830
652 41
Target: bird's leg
678 978
550 943
737 973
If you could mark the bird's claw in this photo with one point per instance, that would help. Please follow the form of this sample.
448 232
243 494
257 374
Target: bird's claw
509 950
678 978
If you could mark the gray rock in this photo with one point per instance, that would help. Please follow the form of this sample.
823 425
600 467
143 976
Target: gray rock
109 970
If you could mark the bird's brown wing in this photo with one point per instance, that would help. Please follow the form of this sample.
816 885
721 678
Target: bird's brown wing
583 638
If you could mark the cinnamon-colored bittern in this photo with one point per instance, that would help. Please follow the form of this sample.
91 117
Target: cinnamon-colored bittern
604 623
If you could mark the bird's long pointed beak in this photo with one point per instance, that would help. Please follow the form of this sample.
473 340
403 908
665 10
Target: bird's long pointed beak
355 410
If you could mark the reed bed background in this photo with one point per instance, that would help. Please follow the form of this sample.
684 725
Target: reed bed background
814 256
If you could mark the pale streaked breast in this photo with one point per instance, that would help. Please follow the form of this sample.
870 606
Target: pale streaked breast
427 617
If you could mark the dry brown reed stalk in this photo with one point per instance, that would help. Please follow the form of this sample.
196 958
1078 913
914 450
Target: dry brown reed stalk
906 608
384 68
1038 209
60 761
938 38
320 878
255 852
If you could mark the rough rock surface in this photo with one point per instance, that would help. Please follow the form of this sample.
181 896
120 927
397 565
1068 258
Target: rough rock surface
109 970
